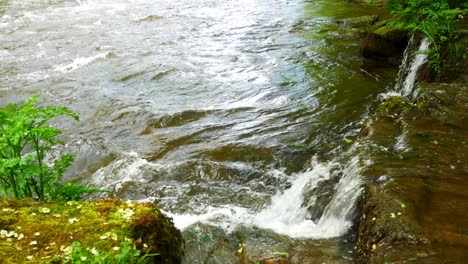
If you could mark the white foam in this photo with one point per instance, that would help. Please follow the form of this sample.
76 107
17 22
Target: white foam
127 169
287 214
387 95
227 218
82 61
256 101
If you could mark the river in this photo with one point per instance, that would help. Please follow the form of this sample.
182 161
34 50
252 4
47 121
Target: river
227 112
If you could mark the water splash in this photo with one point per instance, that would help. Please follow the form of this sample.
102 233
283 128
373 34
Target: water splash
288 214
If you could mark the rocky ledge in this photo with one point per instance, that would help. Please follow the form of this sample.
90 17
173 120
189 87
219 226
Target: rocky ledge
415 160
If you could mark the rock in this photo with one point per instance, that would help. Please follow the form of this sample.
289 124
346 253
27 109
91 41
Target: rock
209 244
36 232
384 42
418 214
396 36
375 3
247 245
361 21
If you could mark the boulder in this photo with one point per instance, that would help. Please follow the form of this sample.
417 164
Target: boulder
386 41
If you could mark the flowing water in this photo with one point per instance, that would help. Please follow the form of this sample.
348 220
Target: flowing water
410 66
226 112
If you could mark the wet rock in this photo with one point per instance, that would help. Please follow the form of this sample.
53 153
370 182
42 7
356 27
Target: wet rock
318 198
209 244
448 102
384 42
246 245
376 3
418 214
361 21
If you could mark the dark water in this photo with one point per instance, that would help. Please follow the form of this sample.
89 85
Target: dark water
210 106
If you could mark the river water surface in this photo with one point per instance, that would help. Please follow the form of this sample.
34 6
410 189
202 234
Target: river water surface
228 112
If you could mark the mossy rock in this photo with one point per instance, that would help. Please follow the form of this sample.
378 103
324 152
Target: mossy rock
39 232
361 21
376 3
386 41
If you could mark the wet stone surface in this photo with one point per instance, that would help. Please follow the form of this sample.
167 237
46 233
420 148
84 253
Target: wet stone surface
415 203
209 244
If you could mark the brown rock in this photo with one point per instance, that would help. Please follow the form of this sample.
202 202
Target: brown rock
384 42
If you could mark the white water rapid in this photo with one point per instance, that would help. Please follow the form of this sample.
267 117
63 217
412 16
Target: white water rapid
288 212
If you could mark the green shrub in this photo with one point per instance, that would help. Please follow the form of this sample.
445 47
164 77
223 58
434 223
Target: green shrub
439 20
25 141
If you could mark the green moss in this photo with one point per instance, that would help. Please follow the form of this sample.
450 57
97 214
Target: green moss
396 106
35 232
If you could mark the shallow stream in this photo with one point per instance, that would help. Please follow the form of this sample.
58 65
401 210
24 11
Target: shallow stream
228 112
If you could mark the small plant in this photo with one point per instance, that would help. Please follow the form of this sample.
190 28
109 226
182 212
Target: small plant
124 254
25 141
396 106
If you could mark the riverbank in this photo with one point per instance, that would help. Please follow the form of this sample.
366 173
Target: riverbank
415 158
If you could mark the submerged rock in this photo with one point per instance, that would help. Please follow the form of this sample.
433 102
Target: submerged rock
248 245
37 232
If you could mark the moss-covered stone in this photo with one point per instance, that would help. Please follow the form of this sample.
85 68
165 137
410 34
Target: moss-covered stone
37 232
362 21
386 41
367 3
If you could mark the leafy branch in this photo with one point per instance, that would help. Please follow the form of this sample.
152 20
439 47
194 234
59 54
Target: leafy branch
25 141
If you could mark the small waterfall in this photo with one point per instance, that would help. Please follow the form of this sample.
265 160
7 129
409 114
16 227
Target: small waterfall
409 68
338 215
287 215
288 212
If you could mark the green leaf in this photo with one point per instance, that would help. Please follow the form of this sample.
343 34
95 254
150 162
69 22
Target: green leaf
25 128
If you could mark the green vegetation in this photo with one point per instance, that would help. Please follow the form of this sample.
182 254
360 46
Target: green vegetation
25 142
440 20
109 231
396 106
123 254
69 232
